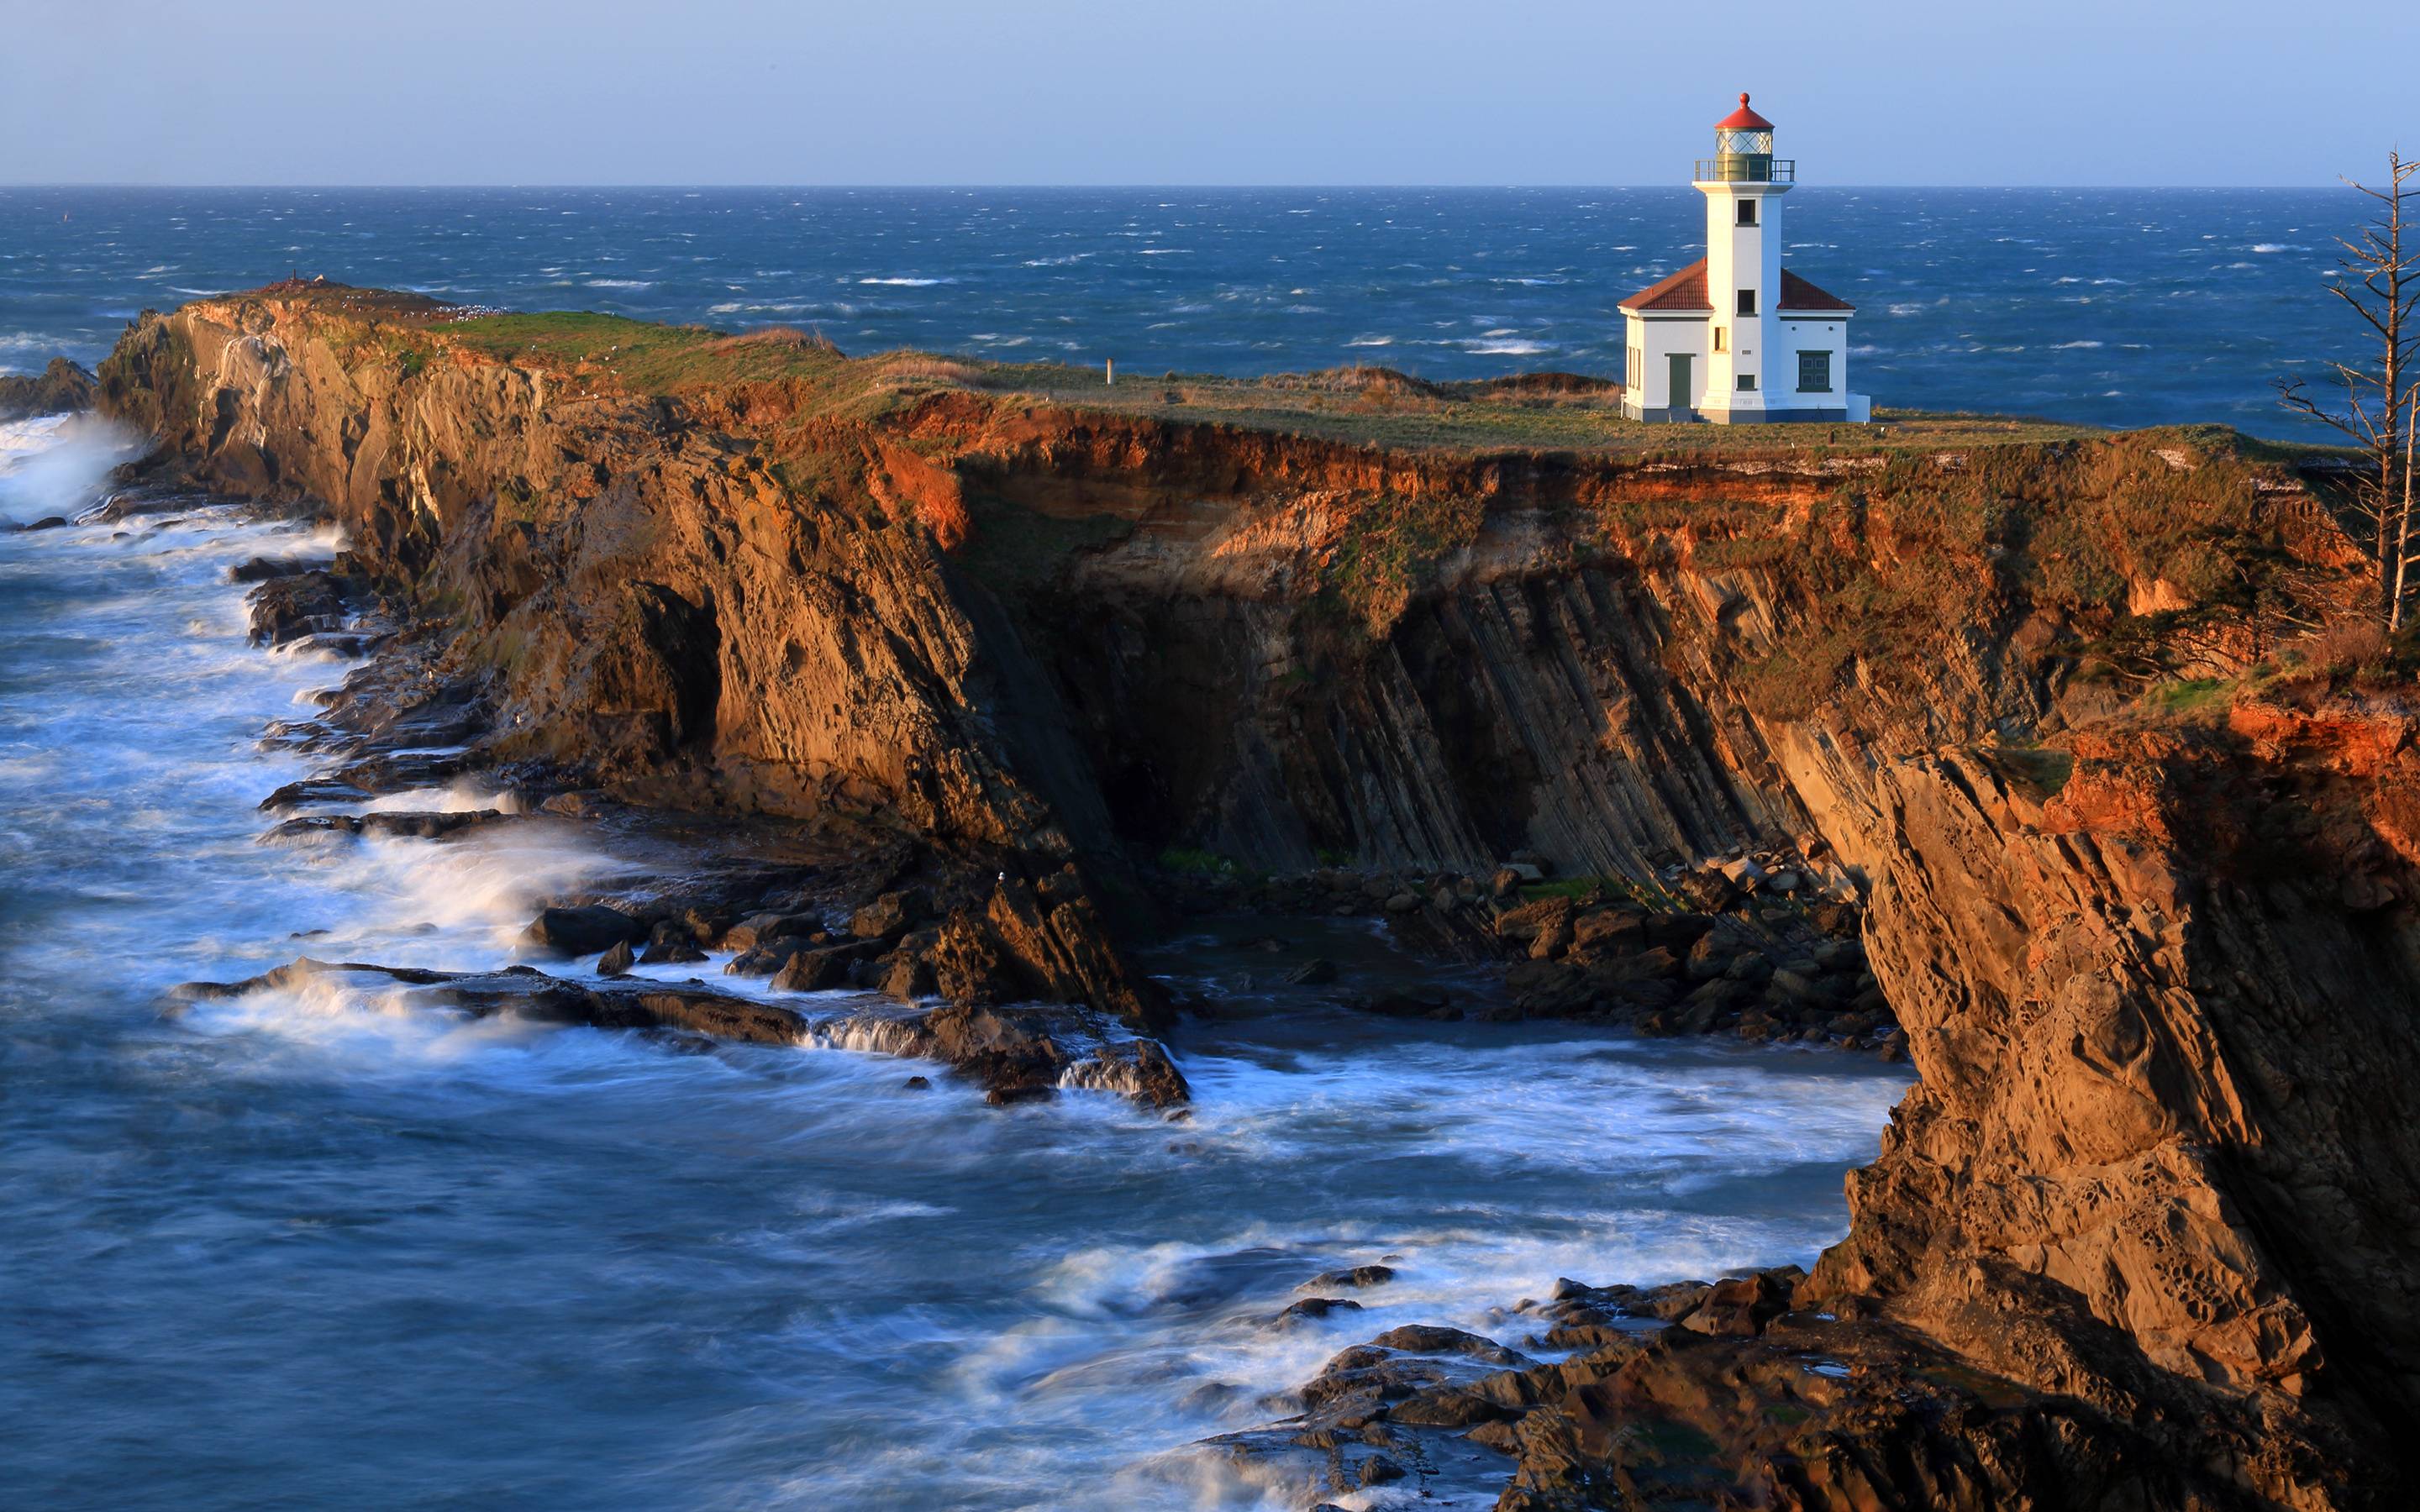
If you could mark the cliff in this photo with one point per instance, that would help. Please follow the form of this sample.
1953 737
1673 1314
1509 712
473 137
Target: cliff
2138 850
61 388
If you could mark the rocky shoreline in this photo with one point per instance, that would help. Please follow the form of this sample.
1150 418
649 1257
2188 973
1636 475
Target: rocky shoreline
1023 680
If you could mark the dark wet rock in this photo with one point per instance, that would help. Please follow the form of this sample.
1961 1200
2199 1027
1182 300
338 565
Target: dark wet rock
1309 1307
387 825
306 602
1424 1338
616 962
672 942
430 825
1316 972
1678 931
1139 1070
312 790
47 522
765 960
1380 1471
1013 1055
815 970
918 1084
1405 1003
585 930
1358 1276
262 569
768 927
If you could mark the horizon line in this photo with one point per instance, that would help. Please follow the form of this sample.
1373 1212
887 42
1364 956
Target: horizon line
533 186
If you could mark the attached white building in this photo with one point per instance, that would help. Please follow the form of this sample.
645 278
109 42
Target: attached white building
1736 337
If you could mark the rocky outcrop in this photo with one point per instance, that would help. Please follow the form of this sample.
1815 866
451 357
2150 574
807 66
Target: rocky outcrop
1013 1056
2163 1018
2141 1237
642 602
62 388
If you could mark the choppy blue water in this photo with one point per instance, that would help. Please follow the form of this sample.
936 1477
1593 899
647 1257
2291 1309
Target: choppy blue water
2118 307
322 1248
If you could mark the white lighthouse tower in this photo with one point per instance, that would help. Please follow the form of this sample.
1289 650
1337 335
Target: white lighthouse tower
1736 337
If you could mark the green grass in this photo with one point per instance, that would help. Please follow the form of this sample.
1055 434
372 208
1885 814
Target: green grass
1186 861
1378 407
2040 771
2189 696
644 355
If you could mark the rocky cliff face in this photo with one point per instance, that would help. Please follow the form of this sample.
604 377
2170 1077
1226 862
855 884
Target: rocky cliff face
57 390
2154 971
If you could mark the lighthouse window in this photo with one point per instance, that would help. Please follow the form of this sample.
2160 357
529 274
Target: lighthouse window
1747 383
1722 339
1814 372
1747 212
1747 302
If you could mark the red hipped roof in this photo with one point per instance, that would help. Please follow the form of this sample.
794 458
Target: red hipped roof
1686 291
1743 119
1798 294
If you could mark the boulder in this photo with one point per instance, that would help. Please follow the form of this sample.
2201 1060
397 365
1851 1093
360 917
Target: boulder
818 970
583 931
262 569
672 942
893 913
1738 1307
616 962
765 928
1309 1307
1315 972
1358 1276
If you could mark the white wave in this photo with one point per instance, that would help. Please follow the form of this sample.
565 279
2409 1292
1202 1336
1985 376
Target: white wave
907 283
1507 348
462 796
59 464
621 283
2278 246
2075 345
1371 341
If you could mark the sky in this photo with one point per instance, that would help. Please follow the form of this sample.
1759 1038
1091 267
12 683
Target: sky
2015 92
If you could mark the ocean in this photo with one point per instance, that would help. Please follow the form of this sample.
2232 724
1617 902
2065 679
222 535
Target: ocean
2109 306
320 1247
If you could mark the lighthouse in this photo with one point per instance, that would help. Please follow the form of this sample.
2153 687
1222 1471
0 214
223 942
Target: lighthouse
1736 337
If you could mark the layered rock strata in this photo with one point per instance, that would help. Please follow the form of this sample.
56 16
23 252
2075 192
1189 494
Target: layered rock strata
2143 1234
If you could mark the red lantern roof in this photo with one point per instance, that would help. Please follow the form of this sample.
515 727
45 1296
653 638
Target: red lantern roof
1743 119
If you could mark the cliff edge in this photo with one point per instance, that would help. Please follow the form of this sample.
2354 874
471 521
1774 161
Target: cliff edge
2138 844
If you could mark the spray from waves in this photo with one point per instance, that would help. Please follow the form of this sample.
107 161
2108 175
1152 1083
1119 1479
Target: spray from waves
461 795
451 904
58 465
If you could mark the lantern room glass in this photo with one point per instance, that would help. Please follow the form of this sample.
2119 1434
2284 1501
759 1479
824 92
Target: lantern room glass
1745 157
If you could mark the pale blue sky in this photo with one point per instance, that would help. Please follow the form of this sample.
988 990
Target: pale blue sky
1161 92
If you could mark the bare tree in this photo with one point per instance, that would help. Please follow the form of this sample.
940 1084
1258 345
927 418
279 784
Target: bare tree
2381 284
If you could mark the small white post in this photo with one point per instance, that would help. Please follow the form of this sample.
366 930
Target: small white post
1110 372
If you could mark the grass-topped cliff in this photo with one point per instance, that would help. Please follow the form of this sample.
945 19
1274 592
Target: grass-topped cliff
2137 817
1362 406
